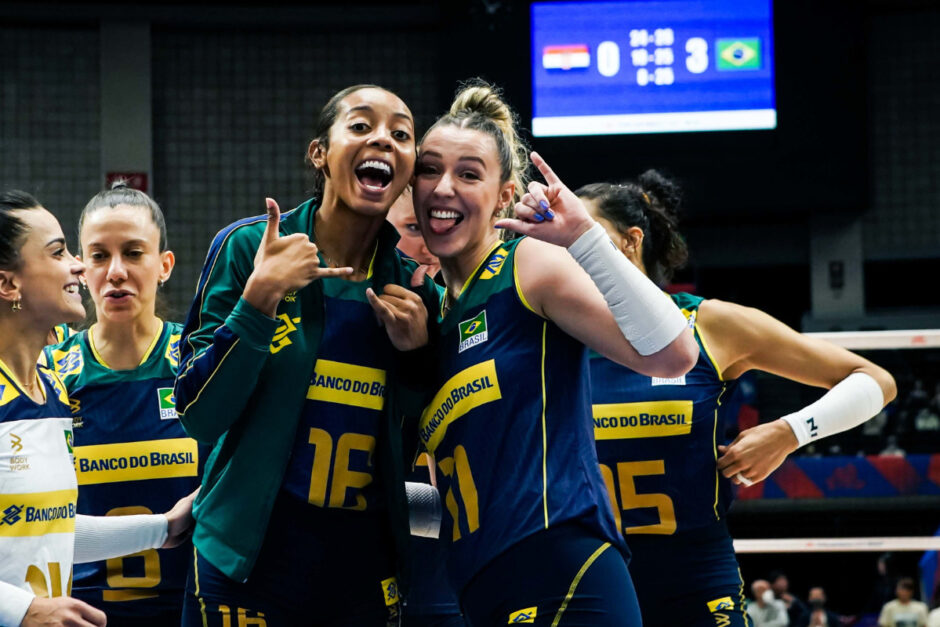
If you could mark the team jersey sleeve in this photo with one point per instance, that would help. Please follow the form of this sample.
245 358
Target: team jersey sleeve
225 340
14 603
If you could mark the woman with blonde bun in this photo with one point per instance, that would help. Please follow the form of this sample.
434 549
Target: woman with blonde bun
531 535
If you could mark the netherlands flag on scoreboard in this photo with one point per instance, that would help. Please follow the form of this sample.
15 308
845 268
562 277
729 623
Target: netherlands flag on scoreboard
567 57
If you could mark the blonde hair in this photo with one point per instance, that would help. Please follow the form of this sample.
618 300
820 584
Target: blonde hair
479 106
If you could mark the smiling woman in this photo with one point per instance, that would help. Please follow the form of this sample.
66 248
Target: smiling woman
285 372
38 489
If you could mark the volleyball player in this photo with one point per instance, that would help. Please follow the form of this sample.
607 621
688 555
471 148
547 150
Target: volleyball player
659 439
133 455
302 517
40 534
532 538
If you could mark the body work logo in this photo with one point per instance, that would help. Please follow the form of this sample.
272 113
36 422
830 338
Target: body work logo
172 354
167 404
523 616
473 332
494 264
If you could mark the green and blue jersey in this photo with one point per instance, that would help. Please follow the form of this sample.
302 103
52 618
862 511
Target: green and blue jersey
131 457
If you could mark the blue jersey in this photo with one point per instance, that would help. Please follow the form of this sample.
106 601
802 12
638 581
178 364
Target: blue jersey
331 465
132 457
510 426
657 441
37 487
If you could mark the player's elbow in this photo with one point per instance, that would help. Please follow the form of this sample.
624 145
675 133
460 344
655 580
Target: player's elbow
889 386
675 359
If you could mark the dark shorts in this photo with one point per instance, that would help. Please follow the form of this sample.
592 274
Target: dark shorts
331 571
689 579
565 574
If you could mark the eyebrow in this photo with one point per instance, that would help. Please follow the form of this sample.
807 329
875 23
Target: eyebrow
58 240
135 241
371 110
464 158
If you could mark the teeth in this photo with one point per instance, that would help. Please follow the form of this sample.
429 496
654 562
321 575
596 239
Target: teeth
71 289
377 165
444 214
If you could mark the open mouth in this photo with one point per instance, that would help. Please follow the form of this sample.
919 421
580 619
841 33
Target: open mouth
443 220
117 294
374 175
71 288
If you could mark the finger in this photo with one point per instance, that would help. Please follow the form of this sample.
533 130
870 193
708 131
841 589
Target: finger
744 480
527 213
398 305
398 291
537 193
516 226
93 615
320 272
273 226
382 310
530 201
722 448
550 177
417 279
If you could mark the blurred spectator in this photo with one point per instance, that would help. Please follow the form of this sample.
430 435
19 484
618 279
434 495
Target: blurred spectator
903 611
933 619
797 611
819 615
766 610
892 447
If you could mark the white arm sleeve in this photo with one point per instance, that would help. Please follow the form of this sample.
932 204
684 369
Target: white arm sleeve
424 509
648 318
103 537
14 603
849 403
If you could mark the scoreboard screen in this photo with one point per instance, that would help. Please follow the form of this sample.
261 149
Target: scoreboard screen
608 68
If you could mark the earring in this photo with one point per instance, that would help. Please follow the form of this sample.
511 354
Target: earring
16 306
161 282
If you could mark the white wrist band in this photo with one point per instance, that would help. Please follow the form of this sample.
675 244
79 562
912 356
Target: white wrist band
14 603
103 537
648 318
849 403
424 509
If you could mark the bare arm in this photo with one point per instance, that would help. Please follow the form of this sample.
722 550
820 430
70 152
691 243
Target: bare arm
557 288
742 339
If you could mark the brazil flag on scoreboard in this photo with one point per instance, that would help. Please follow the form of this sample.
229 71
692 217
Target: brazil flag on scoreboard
738 54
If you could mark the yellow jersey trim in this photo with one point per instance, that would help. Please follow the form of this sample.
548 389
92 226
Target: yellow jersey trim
577 579
518 285
19 388
143 360
544 432
708 352
470 279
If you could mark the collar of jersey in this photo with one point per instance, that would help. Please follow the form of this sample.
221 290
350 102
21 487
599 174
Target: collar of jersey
8 374
471 279
143 360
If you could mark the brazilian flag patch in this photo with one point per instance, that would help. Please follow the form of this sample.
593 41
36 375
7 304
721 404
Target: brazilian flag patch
167 404
738 54
473 332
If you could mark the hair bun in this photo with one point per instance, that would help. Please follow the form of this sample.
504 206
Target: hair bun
478 96
664 190
120 184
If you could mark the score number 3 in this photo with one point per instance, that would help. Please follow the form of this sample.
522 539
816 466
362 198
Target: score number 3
630 499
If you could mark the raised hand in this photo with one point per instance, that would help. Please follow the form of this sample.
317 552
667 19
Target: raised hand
757 452
282 265
402 312
551 212
62 612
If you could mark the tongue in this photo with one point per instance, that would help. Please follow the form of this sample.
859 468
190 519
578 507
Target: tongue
371 181
442 225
